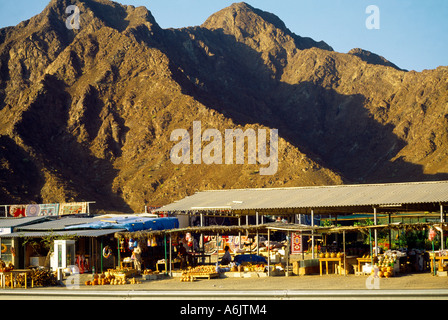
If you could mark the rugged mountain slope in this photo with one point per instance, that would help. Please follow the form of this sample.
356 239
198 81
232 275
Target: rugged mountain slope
91 118
87 114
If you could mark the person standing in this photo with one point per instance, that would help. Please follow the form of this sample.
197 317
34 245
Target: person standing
137 253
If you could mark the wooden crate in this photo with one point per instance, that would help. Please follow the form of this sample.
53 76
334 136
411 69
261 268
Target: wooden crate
204 275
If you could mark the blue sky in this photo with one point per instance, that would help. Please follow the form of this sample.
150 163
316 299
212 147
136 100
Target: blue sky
413 34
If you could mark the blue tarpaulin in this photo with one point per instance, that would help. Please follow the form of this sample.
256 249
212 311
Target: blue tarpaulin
131 224
253 258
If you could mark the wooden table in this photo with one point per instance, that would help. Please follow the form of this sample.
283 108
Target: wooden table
362 260
197 255
124 264
326 260
13 274
439 262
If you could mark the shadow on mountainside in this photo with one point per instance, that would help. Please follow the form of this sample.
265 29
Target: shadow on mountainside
44 127
335 130
18 174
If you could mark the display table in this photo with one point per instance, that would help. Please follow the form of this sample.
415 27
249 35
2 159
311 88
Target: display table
13 275
439 262
165 265
126 264
362 260
326 260
198 255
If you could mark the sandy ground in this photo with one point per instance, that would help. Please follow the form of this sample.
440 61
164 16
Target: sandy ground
411 281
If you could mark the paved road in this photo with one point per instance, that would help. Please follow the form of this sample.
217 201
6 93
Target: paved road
74 294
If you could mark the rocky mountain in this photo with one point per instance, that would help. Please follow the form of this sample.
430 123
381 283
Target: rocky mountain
87 114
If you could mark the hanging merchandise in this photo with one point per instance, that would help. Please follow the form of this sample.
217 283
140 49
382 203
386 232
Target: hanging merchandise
152 241
175 241
80 263
107 252
122 248
131 244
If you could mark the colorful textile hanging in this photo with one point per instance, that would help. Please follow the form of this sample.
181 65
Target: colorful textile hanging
32 210
72 208
17 211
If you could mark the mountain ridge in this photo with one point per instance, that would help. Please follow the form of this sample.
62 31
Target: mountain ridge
87 114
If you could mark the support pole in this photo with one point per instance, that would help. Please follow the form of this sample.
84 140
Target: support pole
312 233
390 232
201 240
269 252
118 255
442 244
164 244
217 249
171 258
433 260
345 260
258 237
101 259
288 248
375 222
239 232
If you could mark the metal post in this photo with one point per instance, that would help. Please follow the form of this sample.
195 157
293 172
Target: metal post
164 245
171 258
118 255
201 240
442 245
312 233
101 253
258 237
217 249
345 261
288 248
370 241
390 232
239 233
375 222
269 252
433 260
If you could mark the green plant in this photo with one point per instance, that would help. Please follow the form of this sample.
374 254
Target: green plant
45 245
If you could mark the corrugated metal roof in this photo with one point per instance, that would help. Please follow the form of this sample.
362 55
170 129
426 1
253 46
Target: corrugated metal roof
77 233
57 224
16 222
347 196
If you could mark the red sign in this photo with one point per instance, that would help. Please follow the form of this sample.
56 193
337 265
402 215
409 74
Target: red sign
296 243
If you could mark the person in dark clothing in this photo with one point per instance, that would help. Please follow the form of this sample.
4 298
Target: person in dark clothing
226 258
183 255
